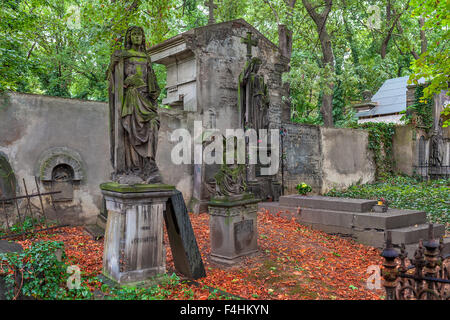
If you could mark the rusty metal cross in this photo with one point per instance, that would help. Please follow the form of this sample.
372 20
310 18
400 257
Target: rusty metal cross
250 42
210 4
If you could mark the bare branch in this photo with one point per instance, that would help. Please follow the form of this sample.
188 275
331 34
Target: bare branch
273 10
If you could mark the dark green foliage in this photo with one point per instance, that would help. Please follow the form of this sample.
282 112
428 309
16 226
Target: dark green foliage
380 143
156 292
26 225
421 111
303 188
43 273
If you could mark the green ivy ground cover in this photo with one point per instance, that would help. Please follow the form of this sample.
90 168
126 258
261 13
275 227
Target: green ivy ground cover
432 196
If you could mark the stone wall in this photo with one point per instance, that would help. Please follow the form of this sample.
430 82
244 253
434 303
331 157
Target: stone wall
303 162
404 149
38 133
411 148
326 158
346 158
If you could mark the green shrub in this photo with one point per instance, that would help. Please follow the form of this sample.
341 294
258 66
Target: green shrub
303 188
42 269
155 292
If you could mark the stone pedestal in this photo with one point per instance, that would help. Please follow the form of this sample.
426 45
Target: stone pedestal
134 250
254 187
233 228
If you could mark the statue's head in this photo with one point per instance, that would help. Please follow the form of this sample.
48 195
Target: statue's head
135 36
256 63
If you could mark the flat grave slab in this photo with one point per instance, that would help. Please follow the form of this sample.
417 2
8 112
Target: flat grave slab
328 203
355 218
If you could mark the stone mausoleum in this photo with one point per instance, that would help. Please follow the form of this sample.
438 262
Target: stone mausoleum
203 67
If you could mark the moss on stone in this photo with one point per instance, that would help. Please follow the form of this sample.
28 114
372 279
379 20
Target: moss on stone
246 198
126 188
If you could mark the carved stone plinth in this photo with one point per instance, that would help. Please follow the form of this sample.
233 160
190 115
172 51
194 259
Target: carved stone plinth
134 250
233 228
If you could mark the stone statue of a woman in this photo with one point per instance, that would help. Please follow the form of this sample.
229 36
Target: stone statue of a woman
134 122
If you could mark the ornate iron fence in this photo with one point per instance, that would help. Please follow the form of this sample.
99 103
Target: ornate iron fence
424 277
425 171
27 218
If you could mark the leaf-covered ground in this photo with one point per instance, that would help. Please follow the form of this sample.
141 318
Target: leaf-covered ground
293 262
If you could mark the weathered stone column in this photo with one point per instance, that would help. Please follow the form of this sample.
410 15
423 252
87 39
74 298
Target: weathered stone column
233 228
134 250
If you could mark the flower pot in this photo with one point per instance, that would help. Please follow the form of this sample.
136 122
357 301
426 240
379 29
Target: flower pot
380 208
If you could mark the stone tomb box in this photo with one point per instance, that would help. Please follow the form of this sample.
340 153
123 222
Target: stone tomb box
233 228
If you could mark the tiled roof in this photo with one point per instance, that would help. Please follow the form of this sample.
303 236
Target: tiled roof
391 98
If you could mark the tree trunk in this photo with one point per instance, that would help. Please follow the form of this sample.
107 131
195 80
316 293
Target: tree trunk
328 61
423 38
285 41
320 20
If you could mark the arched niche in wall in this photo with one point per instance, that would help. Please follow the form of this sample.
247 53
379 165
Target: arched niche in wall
61 169
422 151
7 178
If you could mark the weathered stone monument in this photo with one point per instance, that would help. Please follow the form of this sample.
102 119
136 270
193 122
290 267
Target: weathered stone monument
233 215
7 178
203 67
253 106
136 201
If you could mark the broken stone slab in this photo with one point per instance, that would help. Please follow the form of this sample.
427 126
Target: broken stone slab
328 203
9 246
95 231
233 228
391 219
411 248
413 234
185 251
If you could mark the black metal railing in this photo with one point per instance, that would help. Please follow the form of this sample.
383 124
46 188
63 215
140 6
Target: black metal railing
20 216
427 171
425 277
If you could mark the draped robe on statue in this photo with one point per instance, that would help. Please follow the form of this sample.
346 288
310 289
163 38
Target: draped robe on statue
134 123
253 97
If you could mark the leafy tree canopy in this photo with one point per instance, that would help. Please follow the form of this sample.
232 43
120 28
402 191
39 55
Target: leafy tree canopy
62 47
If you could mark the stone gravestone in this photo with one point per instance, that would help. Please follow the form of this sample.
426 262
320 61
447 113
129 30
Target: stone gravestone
136 200
7 178
186 255
233 228
233 216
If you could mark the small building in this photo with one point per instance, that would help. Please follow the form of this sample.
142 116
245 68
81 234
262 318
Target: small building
386 104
